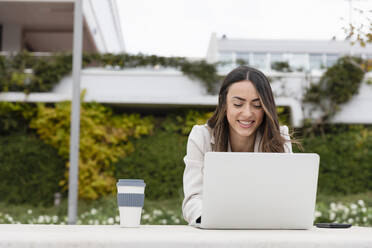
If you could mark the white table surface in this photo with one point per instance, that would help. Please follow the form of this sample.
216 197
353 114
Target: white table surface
178 236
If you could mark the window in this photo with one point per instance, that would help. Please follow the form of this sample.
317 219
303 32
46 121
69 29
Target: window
227 62
331 59
276 57
242 58
225 57
260 61
298 61
316 61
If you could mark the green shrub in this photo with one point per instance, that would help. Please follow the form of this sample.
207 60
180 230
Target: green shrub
15 117
103 139
47 71
182 123
29 170
345 150
336 86
158 159
281 66
345 159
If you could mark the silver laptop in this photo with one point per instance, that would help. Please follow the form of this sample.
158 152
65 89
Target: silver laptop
259 190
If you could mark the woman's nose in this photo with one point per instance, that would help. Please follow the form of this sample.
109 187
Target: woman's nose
247 112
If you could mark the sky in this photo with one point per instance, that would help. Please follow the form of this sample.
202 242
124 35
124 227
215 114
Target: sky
184 27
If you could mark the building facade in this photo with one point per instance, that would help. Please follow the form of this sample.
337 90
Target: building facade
307 59
312 56
47 26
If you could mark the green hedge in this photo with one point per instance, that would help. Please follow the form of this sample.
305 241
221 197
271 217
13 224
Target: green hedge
158 159
14 117
29 170
345 159
49 70
345 154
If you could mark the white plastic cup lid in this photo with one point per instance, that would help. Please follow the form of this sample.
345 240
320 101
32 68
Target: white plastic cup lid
131 182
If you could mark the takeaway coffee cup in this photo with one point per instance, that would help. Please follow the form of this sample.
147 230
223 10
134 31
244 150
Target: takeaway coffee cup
131 195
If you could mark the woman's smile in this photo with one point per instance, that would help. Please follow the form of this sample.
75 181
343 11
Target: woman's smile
245 124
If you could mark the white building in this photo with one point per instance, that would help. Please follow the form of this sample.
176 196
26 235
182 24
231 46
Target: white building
307 58
46 26
301 55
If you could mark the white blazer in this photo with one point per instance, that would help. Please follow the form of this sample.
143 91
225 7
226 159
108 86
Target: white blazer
200 141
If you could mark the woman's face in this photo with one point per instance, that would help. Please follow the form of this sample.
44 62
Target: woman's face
244 110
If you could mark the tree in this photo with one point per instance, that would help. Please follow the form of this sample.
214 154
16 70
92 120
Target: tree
360 32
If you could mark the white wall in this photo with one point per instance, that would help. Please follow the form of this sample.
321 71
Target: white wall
169 88
138 86
104 24
359 108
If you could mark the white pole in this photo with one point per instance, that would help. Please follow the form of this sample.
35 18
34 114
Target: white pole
75 114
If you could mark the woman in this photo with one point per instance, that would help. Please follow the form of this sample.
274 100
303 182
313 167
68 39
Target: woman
245 120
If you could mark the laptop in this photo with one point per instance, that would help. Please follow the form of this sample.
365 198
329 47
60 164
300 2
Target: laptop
259 190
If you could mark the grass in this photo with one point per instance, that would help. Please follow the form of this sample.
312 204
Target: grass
356 209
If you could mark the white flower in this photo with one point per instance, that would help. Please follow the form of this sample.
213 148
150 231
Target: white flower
361 203
40 219
47 218
365 219
333 206
110 221
157 212
90 222
364 210
55 219
163 221
353 206
96 222
350 220
317 214
29 211
177 221
146 216
93 211
332 215
117 218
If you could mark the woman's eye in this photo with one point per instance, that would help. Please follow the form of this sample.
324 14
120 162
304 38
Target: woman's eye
237 105
257 106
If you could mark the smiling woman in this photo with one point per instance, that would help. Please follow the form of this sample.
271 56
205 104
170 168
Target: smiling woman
245 120
246 115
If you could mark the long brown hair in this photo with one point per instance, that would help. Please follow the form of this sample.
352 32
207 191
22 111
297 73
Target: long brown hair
272 141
